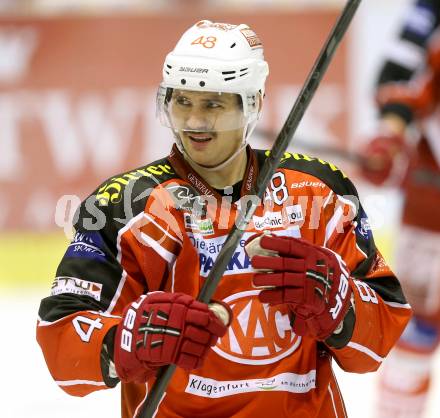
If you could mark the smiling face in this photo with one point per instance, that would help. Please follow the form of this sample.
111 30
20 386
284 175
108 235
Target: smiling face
210 125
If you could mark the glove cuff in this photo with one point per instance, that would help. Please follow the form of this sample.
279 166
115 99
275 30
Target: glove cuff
107 363
128 367
342 338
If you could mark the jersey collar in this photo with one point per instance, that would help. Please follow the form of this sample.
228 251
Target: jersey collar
186 172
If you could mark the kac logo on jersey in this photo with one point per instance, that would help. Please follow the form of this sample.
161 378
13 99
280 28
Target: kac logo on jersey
88 245
259 333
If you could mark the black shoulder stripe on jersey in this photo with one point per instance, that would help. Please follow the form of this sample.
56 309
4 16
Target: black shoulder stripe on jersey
365 240
89 271
325 171
120 199
363 268
337 181
91 282
388 288
57 307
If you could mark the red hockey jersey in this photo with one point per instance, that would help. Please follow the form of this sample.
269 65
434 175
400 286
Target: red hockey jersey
161 227
419 99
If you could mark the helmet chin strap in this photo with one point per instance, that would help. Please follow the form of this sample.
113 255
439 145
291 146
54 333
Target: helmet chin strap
246 134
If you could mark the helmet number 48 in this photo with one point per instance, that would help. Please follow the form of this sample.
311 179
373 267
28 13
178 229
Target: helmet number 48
205 41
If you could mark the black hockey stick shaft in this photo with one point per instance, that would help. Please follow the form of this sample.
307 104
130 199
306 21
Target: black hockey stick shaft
271 164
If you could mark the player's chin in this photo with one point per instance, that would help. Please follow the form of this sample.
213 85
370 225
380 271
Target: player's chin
204 159
201 160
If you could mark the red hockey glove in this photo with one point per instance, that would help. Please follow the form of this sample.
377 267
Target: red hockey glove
163 328
313 281
380 154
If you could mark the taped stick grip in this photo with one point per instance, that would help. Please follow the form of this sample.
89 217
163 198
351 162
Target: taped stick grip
221 312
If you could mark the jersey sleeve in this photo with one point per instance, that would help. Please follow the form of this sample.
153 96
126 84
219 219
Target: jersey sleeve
119 252
381 310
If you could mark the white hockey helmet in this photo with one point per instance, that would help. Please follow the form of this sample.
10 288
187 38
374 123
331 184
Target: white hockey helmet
216 57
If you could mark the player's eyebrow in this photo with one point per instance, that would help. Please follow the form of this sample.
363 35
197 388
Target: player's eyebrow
205 97
214 99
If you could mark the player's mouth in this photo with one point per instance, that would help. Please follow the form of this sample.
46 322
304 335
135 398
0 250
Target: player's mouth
199 137
200 141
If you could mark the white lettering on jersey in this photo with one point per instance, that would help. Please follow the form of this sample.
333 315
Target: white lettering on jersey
209 249
268 221
271 220
76 286
285 382
306 183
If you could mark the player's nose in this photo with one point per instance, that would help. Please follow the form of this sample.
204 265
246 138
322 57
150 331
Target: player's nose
197 120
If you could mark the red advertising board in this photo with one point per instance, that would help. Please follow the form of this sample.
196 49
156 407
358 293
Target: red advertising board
77 98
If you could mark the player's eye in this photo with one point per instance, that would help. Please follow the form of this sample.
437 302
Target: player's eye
214 105
182 100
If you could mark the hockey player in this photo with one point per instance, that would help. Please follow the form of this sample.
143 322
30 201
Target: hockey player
122 304
408 97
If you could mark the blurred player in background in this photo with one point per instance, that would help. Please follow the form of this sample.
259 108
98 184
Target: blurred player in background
122 305
408 96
